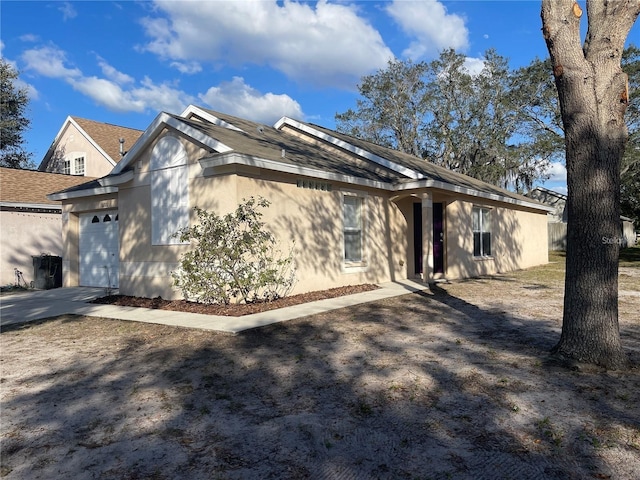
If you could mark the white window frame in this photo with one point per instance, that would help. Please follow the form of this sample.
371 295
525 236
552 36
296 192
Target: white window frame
74 163
351 266
481 228
79 165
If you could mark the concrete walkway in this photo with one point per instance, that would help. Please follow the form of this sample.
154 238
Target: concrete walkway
29 306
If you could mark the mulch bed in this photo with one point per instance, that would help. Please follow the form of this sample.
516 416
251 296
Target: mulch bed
232 310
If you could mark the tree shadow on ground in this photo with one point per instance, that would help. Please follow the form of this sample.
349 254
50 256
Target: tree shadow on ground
420 386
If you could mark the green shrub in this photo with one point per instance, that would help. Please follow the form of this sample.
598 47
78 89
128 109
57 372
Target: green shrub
233 258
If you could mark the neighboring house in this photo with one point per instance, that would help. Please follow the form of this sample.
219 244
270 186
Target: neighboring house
30 223
88 148
354 212
558 219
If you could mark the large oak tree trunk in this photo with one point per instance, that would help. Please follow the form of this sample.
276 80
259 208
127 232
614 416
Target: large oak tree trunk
592 90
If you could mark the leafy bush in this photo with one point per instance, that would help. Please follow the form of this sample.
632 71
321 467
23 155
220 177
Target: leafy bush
233 257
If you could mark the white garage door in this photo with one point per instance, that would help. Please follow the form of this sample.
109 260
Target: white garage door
99 249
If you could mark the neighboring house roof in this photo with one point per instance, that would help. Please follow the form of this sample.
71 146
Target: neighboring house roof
105 137
541 192
559 200
29 188
315 152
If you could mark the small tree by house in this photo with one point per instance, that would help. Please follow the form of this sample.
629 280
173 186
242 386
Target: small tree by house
234 258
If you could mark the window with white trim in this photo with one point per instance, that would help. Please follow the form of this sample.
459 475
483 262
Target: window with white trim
353 228
78 166
74 164
481 232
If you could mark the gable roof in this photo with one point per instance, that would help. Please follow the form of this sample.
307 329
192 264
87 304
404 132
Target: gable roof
305 149
30 187
105 138
542 192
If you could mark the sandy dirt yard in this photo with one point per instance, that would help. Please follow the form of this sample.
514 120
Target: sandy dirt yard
450 384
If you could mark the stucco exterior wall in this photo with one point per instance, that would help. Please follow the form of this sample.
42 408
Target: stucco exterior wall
307 220
26 234
72 143
311 221
518 237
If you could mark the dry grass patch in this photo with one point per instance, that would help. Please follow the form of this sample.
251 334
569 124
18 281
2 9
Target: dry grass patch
449 384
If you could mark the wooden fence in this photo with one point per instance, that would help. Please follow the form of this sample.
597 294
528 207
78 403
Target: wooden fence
557 236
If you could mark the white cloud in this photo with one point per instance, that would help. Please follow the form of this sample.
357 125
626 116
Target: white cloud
120 92
29 37
557 172
68 11
474 65
106 93
239 99
113 74
433 28
322 44
49 62
32 92
19 83
188 68
162 97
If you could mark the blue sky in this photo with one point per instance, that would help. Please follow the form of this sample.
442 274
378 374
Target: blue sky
123 62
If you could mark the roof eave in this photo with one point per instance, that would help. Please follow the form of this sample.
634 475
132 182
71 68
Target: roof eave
113 180
234 158
471 192
31 206
89 192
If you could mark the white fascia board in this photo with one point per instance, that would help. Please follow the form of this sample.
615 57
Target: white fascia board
407 172
112 180
91 141
38 206
192 110
54 144
248 160
165 120
82 193
470 192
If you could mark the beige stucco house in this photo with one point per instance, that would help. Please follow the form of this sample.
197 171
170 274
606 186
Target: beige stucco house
87 148
353 212
30 223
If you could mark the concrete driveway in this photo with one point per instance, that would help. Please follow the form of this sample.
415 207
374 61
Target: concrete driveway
38 304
